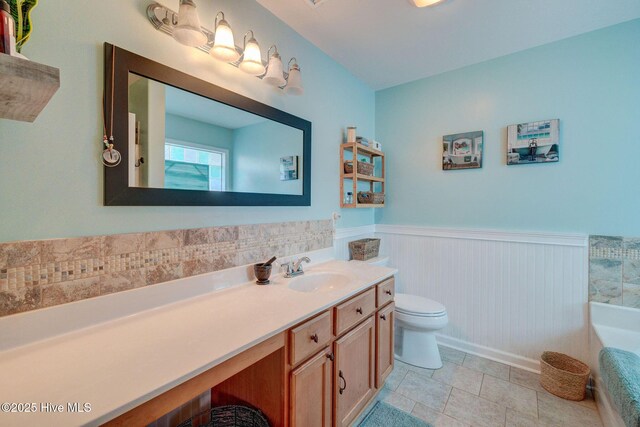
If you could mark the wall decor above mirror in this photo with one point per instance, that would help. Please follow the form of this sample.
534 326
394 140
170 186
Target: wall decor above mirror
187 142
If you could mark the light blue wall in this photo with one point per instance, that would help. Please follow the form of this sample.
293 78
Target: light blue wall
50 178
256 164
590 82
184 129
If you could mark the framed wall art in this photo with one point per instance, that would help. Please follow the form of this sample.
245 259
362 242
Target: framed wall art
462 150
533 142
288 168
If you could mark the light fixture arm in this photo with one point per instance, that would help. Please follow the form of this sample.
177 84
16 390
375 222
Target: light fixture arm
275 51
215 24
244 45
295 63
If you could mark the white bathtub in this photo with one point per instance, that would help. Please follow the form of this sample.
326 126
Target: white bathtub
611 326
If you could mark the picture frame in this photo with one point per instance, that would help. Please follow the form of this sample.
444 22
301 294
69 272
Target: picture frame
288 168
462 150
533 142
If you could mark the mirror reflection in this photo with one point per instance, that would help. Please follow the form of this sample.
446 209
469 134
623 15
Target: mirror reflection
178 140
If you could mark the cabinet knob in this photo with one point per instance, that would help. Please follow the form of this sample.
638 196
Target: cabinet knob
359 310
314 338
330 356
388 292
383 316
342 389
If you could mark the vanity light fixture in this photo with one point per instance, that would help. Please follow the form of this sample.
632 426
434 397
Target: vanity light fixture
294 79
251 56
275 69
424 3
188 30
224 47
184 26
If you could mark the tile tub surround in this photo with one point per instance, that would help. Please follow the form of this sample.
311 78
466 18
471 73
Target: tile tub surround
44 273
614 270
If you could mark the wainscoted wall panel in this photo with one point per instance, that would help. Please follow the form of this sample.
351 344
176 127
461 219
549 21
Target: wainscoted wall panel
43 273
509 296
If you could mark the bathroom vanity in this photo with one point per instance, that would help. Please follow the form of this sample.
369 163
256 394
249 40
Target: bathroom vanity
312 350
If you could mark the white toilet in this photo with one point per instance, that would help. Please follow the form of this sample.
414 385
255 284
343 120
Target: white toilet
417 320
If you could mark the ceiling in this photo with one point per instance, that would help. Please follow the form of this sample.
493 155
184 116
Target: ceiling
389 42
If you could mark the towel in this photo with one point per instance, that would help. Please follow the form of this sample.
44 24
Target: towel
620 372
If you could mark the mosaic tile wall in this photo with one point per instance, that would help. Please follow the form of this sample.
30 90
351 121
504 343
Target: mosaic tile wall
614 270
43 273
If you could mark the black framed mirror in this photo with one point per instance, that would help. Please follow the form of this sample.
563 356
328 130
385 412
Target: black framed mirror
187 142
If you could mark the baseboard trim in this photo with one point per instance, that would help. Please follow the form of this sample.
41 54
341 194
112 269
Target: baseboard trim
343 233
490 353
560 239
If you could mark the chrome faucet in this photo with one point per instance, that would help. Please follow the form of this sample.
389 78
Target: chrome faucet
294 268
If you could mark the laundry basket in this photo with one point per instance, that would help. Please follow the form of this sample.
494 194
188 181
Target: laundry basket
563 375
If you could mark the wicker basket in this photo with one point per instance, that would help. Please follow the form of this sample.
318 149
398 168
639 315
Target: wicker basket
364 168
237 416
364 249
369 197
563 375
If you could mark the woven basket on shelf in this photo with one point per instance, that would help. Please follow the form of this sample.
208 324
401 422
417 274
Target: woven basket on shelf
364 168
364 249
369 197
563 375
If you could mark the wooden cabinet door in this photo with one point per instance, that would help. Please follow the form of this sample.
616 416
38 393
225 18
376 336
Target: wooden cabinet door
385 320
311 389
354 372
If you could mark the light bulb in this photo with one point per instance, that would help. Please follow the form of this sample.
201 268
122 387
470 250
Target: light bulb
224 46
424 3
188 30
252 58
275 72
294 82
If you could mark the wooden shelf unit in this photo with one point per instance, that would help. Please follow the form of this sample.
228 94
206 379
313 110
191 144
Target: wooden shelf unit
355 177
25 87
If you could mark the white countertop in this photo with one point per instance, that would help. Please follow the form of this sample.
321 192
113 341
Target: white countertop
119 364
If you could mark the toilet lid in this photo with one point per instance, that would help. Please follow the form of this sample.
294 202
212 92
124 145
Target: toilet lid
418 306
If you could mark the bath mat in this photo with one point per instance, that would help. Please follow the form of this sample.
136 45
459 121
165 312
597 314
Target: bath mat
385 415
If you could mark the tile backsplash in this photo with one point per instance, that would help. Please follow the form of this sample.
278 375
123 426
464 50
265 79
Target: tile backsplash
614 270
43 273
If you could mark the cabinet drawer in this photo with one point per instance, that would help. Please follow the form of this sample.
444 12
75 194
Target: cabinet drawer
310 337
358 308
385 291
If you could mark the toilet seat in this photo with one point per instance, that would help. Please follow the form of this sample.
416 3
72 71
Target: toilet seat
419 306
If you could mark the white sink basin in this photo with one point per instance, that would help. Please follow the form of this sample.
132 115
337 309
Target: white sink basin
320 281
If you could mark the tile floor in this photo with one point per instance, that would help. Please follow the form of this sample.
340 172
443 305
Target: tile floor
472 391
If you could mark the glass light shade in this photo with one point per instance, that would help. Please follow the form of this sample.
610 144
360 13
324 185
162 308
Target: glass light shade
224 47
252 59
188 30
294 82
424 3
275 72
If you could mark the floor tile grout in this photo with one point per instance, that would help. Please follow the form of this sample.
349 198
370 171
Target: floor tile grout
498 404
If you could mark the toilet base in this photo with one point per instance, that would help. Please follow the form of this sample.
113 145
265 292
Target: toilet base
417 348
